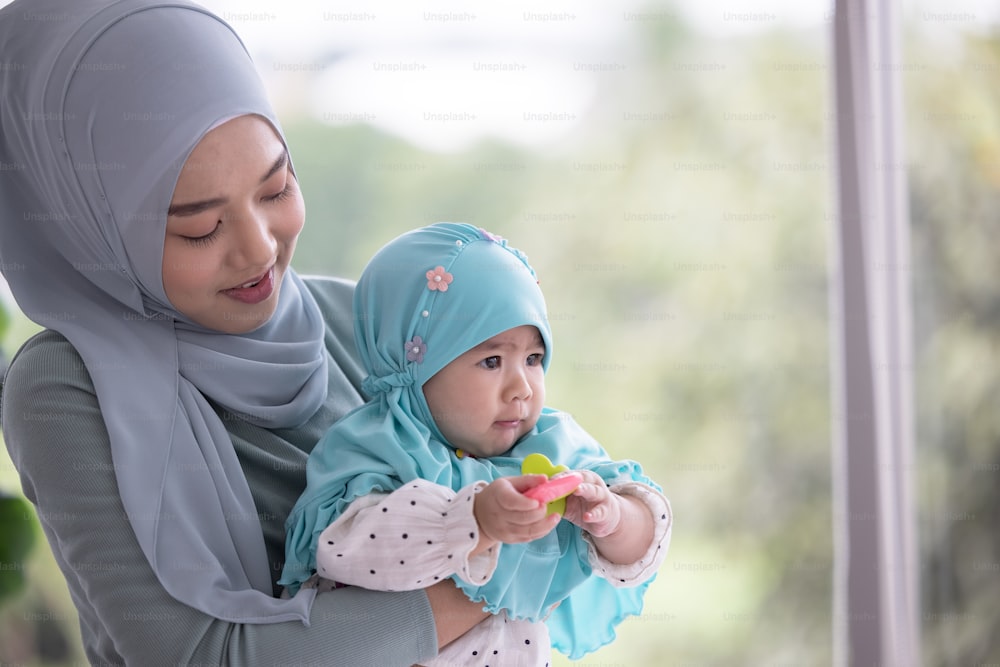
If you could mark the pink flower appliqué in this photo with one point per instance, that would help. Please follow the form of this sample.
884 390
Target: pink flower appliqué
415 349
439 279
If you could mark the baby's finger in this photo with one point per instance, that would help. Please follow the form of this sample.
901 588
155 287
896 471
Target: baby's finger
590 492
522 510
522 483
543 527
514 533
511 497
524 523
590 477
596 515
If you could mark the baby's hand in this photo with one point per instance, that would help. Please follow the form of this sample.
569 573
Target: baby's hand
505 514
593 507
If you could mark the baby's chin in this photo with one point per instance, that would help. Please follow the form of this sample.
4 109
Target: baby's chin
486 452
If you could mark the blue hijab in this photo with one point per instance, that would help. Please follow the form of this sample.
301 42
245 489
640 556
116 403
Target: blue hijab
423 300
100 104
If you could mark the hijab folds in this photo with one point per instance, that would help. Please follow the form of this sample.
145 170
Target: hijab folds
101 102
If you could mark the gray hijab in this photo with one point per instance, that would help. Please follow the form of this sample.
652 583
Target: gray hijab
100 104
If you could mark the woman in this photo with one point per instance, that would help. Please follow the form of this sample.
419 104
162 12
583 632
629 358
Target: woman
161 422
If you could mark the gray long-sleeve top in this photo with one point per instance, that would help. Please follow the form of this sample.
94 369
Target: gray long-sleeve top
58 442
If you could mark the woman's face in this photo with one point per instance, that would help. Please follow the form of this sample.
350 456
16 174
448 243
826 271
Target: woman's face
231 228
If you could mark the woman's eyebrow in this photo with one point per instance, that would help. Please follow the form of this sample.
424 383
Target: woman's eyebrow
277 166
196 207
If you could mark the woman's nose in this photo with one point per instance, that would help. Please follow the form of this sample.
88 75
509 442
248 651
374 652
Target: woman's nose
257 245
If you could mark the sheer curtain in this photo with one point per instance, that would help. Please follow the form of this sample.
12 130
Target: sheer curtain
876 611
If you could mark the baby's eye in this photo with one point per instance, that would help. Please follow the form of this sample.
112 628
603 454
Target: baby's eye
535 359
490 363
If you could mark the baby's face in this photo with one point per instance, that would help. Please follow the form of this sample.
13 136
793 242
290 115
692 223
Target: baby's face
489 397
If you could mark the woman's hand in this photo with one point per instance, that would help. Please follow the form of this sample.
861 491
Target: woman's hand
505 514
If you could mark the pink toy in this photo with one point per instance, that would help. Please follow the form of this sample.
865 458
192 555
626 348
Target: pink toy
554 491
555 488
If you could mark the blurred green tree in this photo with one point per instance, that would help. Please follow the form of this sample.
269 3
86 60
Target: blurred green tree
954 172
17 526
17 537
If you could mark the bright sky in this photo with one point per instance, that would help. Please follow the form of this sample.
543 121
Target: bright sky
443 73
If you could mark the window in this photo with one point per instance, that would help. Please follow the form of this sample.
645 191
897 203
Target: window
668 170
686 179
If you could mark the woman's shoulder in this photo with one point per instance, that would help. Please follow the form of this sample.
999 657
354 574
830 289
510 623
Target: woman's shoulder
47 400
330 292
46 364
45 357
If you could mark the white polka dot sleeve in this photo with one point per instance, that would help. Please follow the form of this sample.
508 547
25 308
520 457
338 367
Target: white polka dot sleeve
498 641
633 574
408 539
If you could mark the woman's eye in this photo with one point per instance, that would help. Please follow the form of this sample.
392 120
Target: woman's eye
285 192
535 359
491 363
204 239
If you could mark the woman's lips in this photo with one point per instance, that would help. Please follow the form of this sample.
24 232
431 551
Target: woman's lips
256 292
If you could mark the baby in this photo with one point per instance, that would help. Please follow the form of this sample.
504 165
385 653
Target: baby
425 480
